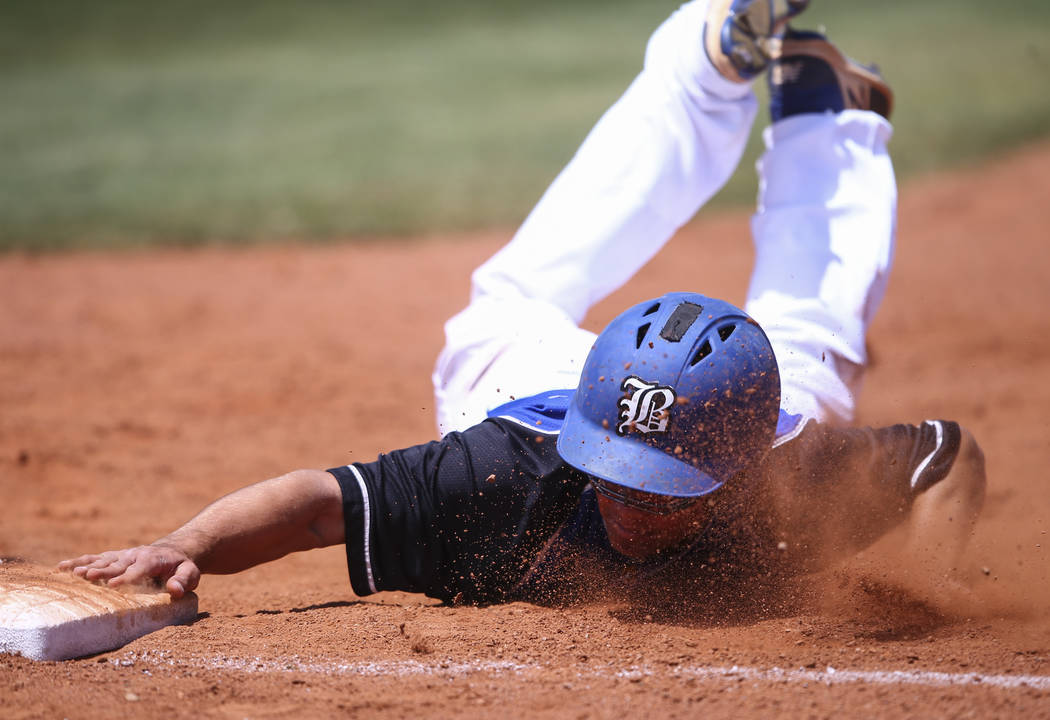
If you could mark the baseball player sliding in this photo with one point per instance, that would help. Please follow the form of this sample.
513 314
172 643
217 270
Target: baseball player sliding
689 440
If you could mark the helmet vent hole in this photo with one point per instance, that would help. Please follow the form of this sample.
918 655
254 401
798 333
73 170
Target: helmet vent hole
652 308
701 352
725 331
640 338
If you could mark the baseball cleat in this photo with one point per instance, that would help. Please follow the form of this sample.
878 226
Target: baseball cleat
742 36
810 75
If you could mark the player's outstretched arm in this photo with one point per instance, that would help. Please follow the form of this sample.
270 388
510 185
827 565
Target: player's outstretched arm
298 511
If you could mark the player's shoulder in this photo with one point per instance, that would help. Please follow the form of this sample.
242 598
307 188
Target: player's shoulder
521 433
789 427
543 413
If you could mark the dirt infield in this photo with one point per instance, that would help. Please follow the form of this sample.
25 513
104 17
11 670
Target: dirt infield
136 387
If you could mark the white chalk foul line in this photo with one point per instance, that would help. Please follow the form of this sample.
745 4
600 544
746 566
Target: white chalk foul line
836 676
453 668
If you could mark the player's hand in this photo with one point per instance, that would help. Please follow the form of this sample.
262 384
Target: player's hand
166 566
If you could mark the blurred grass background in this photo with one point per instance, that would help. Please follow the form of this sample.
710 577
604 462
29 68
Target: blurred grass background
127 123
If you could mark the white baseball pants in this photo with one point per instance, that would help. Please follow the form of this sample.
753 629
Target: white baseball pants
823 231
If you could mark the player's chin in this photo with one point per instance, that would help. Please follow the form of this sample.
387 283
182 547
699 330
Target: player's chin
636 543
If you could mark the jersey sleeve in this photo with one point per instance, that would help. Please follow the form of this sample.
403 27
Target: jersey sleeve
831 491
458 519
903 459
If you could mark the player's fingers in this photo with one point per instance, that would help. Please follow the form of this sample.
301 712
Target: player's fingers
143 566
109 567
77 562
184 579
95 562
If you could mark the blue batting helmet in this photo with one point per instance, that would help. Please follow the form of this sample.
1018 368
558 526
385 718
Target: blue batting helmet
677 395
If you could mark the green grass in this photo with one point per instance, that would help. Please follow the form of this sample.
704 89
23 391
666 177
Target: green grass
128 123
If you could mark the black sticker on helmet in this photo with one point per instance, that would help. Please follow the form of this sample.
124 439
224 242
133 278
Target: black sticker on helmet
680 321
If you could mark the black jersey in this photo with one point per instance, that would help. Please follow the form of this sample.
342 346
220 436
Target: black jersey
493 513
461 517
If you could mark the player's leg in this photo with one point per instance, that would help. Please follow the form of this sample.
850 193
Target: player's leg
824 229
651 161
500 349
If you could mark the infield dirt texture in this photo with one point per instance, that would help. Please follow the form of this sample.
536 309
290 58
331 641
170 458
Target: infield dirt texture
135 387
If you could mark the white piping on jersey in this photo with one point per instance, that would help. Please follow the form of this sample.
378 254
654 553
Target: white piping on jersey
529 426
793 434
926 461
368 524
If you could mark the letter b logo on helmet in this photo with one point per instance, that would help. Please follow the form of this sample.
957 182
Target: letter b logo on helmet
645 409
677 395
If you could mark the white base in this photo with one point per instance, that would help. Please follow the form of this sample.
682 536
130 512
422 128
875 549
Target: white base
49 615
